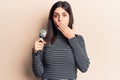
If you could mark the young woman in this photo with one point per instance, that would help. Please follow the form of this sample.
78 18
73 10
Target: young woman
58 56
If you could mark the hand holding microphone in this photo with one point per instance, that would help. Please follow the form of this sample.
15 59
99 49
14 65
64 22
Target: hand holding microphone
39 43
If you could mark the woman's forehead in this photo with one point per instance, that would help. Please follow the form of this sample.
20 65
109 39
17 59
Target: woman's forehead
60 10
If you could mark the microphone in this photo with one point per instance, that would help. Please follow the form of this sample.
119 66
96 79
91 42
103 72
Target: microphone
42 33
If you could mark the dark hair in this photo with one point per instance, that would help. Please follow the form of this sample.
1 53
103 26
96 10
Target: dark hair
51 29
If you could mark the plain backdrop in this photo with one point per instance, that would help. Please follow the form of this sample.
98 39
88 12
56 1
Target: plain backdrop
98 21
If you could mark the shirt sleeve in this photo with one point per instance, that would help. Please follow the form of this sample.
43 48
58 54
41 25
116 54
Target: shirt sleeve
37 63
78 47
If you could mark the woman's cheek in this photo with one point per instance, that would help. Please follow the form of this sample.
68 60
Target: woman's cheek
56 24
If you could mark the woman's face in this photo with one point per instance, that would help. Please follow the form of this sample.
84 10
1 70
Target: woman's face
61 16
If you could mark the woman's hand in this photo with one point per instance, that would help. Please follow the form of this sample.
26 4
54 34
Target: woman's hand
39 44
66 31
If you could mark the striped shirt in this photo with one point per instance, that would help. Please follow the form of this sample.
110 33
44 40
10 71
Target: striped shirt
61 59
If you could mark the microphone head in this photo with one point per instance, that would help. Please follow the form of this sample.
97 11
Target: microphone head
42 33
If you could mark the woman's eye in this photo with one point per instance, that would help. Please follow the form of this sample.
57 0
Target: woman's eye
64 15
55 16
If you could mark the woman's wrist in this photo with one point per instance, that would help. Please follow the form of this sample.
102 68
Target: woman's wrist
72 36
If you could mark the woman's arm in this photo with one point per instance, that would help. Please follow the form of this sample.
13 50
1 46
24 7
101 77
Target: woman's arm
37 63
78 46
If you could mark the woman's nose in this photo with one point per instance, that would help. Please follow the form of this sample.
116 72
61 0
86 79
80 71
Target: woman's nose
60 18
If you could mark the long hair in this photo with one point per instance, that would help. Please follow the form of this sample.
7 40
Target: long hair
51 29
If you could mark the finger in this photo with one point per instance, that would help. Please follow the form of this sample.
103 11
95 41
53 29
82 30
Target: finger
40 40
40 48
59 29
40 44
62 27
65 27
44 42
73 28
62 23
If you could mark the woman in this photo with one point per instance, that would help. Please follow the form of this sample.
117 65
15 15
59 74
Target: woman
58 56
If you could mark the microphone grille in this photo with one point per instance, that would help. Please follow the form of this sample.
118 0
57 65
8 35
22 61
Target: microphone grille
42 33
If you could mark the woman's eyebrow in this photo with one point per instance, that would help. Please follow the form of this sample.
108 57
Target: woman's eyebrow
58 13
